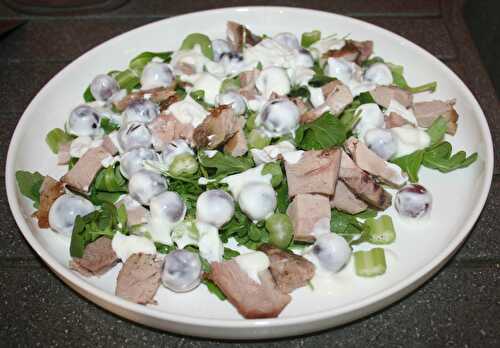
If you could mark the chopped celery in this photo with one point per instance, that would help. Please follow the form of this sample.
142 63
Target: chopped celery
232 84
199 39
127 79
381 230
257 140
56 138
428 87
138 63
370 263
310 38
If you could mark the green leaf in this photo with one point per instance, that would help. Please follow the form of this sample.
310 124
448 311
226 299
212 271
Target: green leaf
309 38
368 213
214 289
29 184
87 95
319 80
345 225
437 130
282 197
439 157
348 117
110 179
323 133
138 63
410 164
108 126
224 164
365 98
230 253
369 62
300 91
164 248
56 138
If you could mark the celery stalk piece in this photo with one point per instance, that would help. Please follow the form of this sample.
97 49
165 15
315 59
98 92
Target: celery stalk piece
370 263
381 230
310 38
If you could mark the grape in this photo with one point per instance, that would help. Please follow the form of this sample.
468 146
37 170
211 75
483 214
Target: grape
413 201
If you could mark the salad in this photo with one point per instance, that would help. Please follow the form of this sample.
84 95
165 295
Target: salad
252 165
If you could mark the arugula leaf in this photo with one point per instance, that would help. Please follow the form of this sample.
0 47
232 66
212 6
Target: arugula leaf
214 289
230 253
365 98
29 184
110 179
323 133
224 164
319 80
164 248
282 197
368 213
87 95
300 91
348 117
345 225
108 126
440 157
369 62
410 164
189 192
437 130
88 228
138 63
56 138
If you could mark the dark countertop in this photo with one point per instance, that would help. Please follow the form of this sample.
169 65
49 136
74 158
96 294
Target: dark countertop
460 306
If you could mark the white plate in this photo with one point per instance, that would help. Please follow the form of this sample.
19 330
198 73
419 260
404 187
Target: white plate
420 249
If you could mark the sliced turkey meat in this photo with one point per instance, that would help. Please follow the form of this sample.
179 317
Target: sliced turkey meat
82 174
305 211
353 51
109 145
247 83
166 128
217 128
63 155
382 95
98 258
290 271
370 162
428 111
139 278
159 95
315 172
395 120
50 190
346 201
362 184
251 299
239 36
237 145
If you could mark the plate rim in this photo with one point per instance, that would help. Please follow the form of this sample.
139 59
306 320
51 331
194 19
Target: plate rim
358 309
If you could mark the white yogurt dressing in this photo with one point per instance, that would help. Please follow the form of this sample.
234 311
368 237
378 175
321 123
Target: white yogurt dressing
273 79
209 243
188 111
293 157
206 82
410 139
236 182
398 108
370 117
380 74
270 153
253 263
124 246
331 42
82 144
270 52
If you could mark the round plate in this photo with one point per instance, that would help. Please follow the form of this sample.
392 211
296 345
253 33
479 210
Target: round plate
419 251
